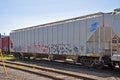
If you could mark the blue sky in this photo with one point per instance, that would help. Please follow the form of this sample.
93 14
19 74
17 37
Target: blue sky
15 14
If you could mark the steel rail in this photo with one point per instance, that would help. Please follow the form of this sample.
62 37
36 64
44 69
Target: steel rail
10 64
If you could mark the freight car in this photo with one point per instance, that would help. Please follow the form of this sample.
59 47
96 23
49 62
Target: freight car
5 44
90 40
115 56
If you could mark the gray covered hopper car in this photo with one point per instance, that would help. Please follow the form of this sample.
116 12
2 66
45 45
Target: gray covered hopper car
87 39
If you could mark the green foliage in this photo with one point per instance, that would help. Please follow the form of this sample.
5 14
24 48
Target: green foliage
9 57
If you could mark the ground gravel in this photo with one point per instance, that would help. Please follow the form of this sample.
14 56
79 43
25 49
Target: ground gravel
21 75
102 74
14 74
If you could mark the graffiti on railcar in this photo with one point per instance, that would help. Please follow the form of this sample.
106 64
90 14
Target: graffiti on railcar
90 50
81 48
75 49
38 48
19 49
62 49
57 48
53 49
29 48
41 48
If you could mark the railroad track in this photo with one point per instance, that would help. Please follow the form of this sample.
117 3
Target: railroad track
54 74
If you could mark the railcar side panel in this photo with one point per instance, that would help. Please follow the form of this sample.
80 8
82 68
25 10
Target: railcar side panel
77 37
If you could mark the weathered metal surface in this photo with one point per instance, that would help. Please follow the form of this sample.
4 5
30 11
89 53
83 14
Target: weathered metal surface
90 35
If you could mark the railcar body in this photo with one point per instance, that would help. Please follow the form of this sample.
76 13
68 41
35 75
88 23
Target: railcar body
88 38
5 44
115 57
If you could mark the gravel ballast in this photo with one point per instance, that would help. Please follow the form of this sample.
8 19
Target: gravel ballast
14 74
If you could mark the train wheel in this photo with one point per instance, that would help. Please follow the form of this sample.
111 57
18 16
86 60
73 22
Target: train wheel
119 65
74 61
28 57
110 66
17 55
51 58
